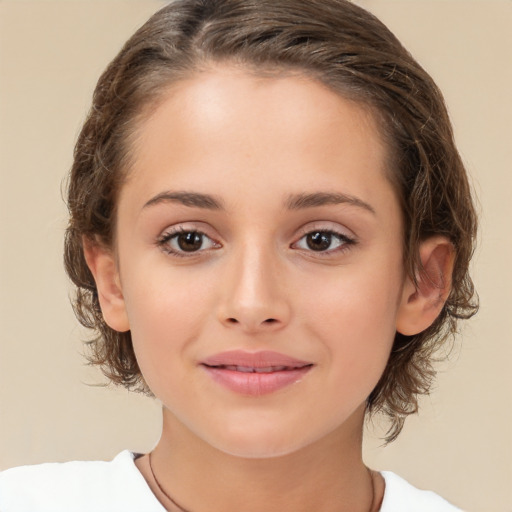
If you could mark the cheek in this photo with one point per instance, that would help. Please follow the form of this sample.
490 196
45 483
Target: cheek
355 317
166 317
159 297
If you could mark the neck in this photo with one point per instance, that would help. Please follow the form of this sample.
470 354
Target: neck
326 476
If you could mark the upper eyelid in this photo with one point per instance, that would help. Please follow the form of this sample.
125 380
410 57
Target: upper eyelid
171 231
328 227
210 232
348 240
168 234
187 227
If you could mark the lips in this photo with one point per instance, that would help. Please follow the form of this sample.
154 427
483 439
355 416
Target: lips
251 369
257 373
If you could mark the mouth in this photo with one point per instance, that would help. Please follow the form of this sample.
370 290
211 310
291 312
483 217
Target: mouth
253 369
255 374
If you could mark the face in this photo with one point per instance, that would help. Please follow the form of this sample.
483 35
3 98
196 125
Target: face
259 258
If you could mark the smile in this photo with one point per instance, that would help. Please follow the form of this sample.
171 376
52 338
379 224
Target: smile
251 369
255 374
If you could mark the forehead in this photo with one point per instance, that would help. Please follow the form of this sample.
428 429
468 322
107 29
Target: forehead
227 123
224 94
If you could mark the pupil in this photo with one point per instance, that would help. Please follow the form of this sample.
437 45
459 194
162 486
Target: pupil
319 241
190 241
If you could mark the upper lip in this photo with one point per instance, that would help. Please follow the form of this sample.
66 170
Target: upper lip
261 359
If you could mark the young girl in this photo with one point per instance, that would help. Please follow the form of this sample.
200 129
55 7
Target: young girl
270 233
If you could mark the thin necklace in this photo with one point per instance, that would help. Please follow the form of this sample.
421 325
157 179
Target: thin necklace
181 509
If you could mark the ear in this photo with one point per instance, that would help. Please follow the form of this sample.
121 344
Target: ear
421 304
103 266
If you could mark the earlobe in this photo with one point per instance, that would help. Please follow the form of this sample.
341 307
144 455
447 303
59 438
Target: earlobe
422 302
102 264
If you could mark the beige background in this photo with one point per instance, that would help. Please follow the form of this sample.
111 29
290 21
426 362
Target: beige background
51 53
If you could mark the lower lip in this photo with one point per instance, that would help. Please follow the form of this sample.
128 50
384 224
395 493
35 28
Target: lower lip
256 384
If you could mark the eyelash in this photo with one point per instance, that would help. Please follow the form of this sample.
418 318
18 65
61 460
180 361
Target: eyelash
344 241
166 238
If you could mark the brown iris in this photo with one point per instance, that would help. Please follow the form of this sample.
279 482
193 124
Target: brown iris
190 241
319 240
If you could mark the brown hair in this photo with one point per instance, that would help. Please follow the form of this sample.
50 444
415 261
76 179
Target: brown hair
346 48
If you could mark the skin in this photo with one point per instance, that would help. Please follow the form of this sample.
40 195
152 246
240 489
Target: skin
251 144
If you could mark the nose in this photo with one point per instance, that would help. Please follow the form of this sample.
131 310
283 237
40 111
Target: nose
255 297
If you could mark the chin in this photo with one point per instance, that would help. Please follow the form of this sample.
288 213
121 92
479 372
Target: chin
258 442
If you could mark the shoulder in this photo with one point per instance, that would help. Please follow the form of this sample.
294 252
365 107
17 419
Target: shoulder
401 496
80 486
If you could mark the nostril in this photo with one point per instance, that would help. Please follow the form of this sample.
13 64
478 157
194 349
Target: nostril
251 324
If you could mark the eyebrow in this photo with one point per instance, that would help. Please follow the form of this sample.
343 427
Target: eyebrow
294 202
193 199
300 201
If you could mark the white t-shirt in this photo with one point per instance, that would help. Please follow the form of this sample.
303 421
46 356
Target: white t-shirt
118 486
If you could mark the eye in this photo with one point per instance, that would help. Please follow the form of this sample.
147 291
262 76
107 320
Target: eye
323 241
185 241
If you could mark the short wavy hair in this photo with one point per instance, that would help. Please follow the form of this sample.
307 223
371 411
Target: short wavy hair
349 50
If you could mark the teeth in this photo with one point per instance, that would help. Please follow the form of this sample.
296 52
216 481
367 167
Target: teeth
250 369
270 369
244 369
